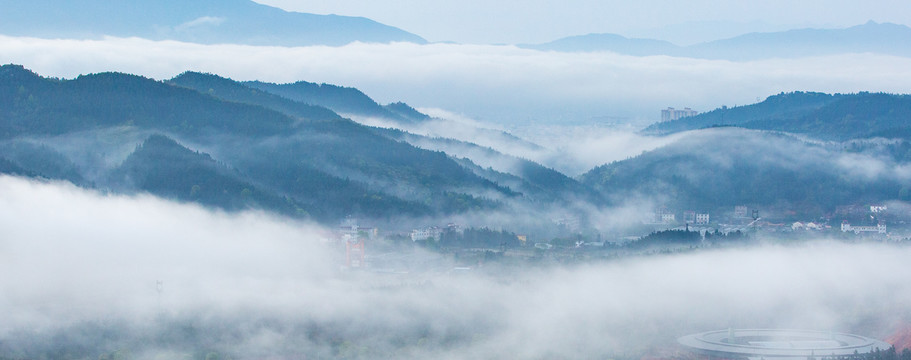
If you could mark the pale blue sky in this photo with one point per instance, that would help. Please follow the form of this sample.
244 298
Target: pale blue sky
531 21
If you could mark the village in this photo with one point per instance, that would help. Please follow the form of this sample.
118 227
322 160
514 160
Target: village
454 247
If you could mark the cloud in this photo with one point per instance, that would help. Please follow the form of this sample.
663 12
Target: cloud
78 261
204 21
493 84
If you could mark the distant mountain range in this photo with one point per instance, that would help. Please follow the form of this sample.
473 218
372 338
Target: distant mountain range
200 21
881 38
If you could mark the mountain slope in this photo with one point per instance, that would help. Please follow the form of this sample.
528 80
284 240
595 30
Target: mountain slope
535 181
230 90
283 151
343 100
202 21
719 168
347 149
608 42
30 104
823 116
165 168
885 38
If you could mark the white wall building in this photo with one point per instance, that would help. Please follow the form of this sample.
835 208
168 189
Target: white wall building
674 114
426 234
879 228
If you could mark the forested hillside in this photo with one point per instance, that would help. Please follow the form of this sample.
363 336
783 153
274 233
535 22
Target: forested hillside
259 150
718 168
211 140
817 115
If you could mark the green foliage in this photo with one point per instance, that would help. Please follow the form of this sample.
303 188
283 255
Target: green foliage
718 171
482 238
229 90
163 167
40 160
667 238
340 99
406 112
274 153
114 99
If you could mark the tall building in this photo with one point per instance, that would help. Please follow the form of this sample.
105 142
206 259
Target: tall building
674 114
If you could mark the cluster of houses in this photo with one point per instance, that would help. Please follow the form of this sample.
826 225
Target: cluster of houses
665 216
744 218
434 232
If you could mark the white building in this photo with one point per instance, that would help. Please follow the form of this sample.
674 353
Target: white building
740 211
689 216
674 114
426 234
702 219
879 228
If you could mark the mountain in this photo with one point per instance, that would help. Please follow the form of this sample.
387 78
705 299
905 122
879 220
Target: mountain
238 147
872 37
230 90
201 21
534 181
36 160
32 105
822 116
608 42
716 169
343 100
165 168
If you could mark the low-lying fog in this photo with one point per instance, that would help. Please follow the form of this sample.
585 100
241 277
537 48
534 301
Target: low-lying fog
496 84
81 271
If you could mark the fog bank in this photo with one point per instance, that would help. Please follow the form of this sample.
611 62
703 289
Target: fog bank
250 285
495 84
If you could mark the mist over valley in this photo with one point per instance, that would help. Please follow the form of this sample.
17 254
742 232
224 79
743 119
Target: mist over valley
245 180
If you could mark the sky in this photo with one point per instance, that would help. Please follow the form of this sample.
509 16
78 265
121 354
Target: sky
682 22
512 87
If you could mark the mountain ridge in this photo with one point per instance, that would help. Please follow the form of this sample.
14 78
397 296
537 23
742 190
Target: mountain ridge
872 37
823 116
204 21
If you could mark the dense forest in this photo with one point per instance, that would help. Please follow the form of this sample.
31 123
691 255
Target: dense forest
722 168
259 150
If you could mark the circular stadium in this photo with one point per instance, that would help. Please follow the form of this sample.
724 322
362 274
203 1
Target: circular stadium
778 344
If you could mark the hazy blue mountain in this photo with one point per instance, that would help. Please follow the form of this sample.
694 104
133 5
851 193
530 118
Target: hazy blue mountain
406 112
343 100
230 90
39 161
716 169
534 181
291 157
823 116
202 21
165 168
608 42
790 105
30 104
885 38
